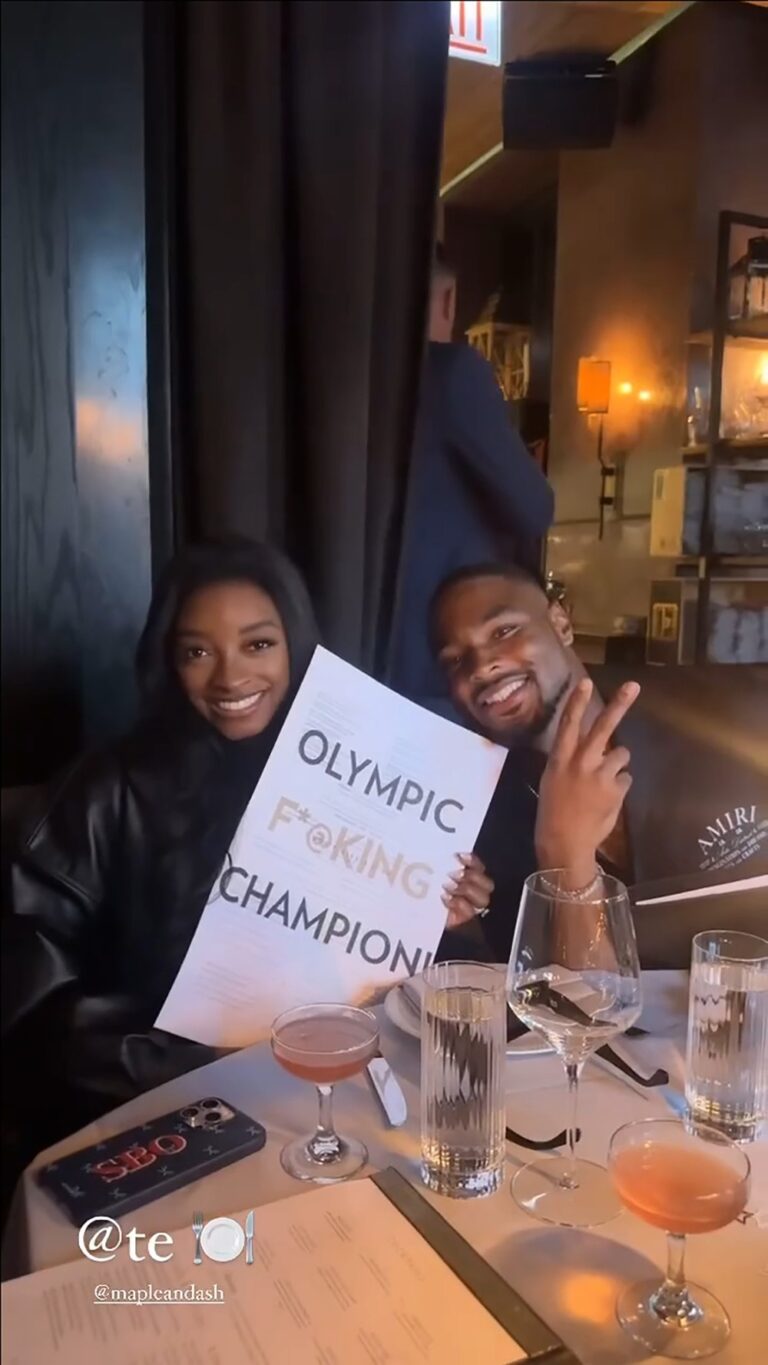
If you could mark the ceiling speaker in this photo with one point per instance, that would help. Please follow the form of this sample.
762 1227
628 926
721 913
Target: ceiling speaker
567 103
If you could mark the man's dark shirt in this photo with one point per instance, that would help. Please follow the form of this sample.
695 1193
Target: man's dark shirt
698 804
698 736
506 846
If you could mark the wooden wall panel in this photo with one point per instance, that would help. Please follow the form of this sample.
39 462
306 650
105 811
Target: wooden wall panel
75 551
41 608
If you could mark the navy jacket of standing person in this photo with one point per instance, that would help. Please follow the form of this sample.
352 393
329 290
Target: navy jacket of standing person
474 492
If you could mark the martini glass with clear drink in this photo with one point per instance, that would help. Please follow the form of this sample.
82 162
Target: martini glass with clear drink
682 1180
324 1044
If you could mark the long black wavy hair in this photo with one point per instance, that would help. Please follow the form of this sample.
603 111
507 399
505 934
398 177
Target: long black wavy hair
199 782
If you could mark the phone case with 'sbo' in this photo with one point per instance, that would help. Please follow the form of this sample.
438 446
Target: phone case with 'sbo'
148 1161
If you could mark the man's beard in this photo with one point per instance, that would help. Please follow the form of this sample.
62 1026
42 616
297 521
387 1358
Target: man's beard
523 735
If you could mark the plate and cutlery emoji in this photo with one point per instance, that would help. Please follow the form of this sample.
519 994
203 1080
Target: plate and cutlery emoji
222 1239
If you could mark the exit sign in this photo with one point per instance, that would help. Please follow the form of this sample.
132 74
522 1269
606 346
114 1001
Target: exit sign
476 31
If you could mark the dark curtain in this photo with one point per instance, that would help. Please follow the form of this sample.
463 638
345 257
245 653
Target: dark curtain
304 158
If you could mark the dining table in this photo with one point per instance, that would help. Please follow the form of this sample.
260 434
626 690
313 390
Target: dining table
571 1278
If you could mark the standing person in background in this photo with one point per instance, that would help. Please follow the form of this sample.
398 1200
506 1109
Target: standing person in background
474 492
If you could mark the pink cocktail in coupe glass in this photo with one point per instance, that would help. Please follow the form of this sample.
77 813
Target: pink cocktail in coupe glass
324 1044
683 1181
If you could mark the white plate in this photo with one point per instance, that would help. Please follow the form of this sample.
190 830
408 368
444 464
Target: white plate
402 1015
223 1239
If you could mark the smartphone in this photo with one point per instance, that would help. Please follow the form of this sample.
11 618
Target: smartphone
146 1162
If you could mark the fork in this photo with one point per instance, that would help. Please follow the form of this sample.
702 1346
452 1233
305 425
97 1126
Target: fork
197 1228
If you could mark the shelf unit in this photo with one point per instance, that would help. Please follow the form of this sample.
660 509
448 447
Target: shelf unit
750 333
728 445
717 451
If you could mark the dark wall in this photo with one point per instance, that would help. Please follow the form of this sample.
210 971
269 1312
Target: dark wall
76 551
475 244
516 250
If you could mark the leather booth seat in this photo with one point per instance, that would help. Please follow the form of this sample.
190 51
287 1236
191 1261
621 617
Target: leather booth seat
17 809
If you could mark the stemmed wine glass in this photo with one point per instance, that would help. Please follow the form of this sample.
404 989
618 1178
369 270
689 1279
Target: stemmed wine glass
573 976
324 1043
681 1179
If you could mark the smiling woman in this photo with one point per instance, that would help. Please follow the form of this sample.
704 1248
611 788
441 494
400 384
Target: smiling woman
232 657
108 887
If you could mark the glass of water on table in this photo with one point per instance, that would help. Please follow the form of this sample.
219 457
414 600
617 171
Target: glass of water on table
727 1063
463 1052
573 976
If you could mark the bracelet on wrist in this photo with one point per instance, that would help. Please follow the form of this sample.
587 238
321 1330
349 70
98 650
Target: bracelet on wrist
582 893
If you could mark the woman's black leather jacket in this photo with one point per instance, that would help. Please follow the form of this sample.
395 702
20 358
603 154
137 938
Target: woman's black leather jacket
105 897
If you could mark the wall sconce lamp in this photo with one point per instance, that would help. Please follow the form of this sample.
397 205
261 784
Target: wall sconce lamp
593 394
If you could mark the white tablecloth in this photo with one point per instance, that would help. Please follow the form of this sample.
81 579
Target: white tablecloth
570 1278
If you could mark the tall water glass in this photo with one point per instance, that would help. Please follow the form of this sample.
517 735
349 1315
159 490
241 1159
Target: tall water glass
727 1067
463 1048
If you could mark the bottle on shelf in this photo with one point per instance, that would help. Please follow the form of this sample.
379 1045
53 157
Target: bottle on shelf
748 293
698 419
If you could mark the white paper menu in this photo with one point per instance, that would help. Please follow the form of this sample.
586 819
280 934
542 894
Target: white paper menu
332 886
339 1277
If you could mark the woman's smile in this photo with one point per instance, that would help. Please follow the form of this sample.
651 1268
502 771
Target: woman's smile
236 705
241 716
232 656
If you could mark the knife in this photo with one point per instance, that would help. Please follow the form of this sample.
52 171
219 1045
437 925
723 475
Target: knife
516 1028
388 1089
612 1066
610 1055
616 1055
249 1239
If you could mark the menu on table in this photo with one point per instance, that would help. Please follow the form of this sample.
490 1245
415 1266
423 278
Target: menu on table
664 937
364 1273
